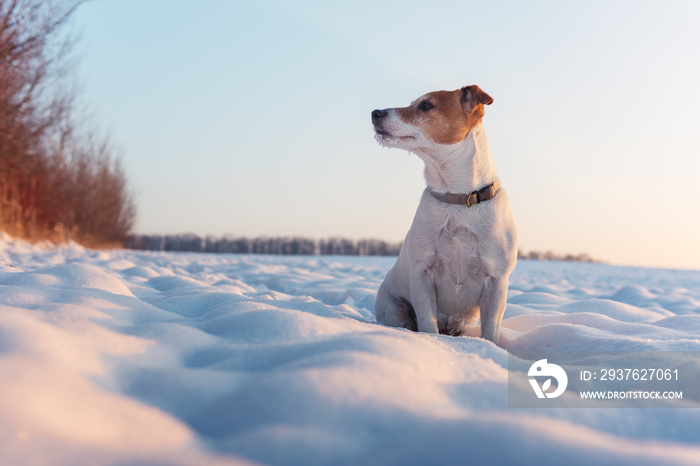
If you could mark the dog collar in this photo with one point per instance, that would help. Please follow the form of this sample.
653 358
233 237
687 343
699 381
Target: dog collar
474 197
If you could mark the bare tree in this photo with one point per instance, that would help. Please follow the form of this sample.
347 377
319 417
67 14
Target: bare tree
56 180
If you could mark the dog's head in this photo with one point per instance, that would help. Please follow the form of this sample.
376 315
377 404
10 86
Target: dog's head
442 117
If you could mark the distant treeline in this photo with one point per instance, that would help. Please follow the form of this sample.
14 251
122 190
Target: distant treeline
295 245
264 245
550 256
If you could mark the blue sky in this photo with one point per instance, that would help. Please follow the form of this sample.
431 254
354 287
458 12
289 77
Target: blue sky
253 118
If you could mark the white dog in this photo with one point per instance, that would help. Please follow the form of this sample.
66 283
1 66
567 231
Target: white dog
454 263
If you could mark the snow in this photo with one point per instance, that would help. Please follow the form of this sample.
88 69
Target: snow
125 357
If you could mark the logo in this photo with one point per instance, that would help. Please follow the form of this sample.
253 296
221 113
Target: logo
542 369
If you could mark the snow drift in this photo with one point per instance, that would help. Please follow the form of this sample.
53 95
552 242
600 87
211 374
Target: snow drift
126 357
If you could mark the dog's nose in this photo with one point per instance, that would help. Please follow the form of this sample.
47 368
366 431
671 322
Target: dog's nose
378 115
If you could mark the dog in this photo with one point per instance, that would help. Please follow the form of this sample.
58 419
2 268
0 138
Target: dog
454 264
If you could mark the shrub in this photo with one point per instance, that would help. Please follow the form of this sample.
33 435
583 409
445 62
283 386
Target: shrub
57 181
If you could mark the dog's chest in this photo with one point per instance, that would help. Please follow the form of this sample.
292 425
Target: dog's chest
458 256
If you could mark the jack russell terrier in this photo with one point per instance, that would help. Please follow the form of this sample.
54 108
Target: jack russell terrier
454 263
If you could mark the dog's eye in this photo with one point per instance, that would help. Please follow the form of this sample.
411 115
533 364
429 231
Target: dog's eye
425 106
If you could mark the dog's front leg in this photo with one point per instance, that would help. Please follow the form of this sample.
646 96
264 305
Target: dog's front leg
424 301
493 305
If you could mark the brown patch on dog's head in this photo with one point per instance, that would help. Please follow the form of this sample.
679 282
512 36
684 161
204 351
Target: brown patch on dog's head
446 117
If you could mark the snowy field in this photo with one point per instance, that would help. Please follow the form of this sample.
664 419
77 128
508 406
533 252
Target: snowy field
124 357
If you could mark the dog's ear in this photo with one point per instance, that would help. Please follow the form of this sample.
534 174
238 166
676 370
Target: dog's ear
474 96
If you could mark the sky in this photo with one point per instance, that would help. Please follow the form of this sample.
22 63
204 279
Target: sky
252 118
